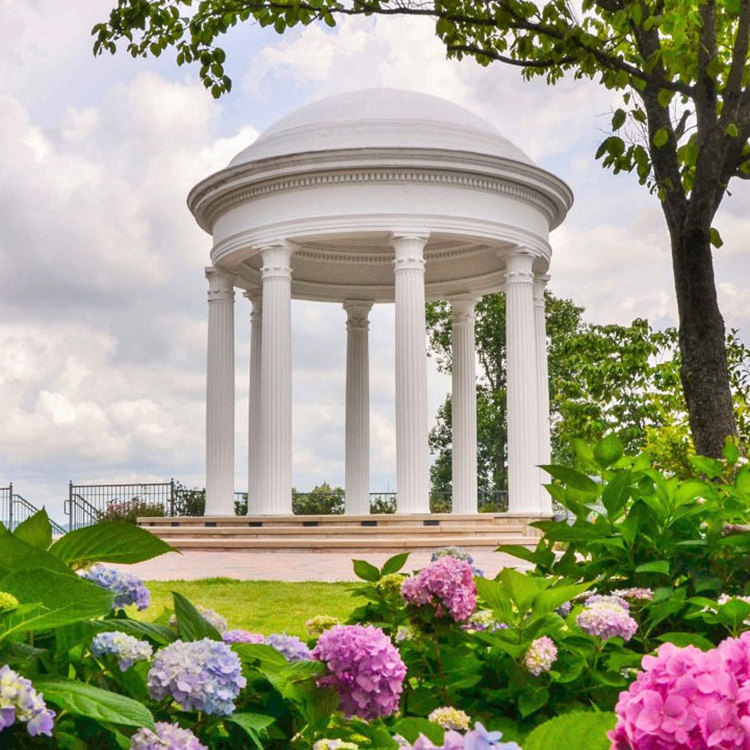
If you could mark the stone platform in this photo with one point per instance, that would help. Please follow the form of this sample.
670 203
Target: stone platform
392 533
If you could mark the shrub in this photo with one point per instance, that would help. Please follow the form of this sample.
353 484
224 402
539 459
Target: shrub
130 510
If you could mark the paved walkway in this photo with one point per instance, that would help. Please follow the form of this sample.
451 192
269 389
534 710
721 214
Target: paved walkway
263 565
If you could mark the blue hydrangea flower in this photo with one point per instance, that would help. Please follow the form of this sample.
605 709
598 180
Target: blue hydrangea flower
166 737
201 675
290 646
128 589
20 702
125 647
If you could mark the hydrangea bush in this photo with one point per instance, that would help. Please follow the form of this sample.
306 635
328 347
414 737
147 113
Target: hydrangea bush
441 657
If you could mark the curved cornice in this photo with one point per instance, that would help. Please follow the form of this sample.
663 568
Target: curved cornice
245 182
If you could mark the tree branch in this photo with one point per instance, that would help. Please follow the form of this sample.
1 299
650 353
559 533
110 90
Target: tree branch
472 50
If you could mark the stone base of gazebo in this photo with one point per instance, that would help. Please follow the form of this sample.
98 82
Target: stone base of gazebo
344 532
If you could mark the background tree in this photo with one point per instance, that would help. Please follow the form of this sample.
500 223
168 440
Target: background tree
681 66
603 379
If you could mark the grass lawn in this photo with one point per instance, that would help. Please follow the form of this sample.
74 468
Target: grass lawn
259 606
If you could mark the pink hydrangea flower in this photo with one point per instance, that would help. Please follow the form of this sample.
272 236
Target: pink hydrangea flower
541 655
687 699
364 667
447 585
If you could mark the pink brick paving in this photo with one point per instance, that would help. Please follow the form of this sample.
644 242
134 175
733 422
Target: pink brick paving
264 565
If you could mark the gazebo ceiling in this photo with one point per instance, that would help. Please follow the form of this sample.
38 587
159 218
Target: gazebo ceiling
337 178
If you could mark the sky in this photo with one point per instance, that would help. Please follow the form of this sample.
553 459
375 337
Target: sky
103 304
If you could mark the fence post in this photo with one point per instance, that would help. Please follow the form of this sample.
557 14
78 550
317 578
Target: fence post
71 526
171 496
10 506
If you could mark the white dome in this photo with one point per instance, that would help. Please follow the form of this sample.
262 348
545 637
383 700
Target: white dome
380 118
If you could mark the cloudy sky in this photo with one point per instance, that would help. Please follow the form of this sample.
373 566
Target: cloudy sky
102 310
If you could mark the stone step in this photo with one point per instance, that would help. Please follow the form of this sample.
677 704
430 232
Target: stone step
328 531
398 543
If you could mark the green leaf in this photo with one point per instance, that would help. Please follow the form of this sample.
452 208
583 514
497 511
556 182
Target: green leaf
733 130
580 729
17 555
35 530
254 725
608 450
657 566
617 493
531 700
159 634
395 563
366 571
192 625
64 599
522 588
551 599
496 596
661 136
716 240
618 119
731 451
711 467
665 97
91 702
109 541
572 478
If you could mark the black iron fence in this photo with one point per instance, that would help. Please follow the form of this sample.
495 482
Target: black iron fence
90 503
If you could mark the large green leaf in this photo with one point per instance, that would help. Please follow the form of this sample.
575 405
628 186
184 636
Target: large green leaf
254 725
581 729
573 478
411 727
395 563
35 530
550 599
617 492
193 626
64 599
608 450
496 596
366 571
522 588
109 541
91 702
17 554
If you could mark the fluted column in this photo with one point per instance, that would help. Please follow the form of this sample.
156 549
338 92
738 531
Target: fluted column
220 395
412 450
522 383
254 400
464 407
357 478
540 324
276 383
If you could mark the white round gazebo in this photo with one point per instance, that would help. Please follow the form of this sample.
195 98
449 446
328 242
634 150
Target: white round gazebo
371 197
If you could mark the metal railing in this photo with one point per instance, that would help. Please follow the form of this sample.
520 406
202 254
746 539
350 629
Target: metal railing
15 509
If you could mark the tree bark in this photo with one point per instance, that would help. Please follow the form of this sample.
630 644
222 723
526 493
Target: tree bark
704 371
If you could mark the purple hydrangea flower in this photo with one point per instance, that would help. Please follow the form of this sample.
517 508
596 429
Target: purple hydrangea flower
364 667
20 702
125 647
564 609
166 737
291 647
478 738
446 584
128 589
201 675
607 619
636 594
242 636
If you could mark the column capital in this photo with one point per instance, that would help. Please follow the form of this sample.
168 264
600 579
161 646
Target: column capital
357 314
463 308
540 284
519 268
276 260
220 285
255 297
409 250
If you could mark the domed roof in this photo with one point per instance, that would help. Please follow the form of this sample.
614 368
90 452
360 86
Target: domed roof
380 118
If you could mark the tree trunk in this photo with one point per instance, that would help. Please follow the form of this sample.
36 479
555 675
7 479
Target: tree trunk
704 371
